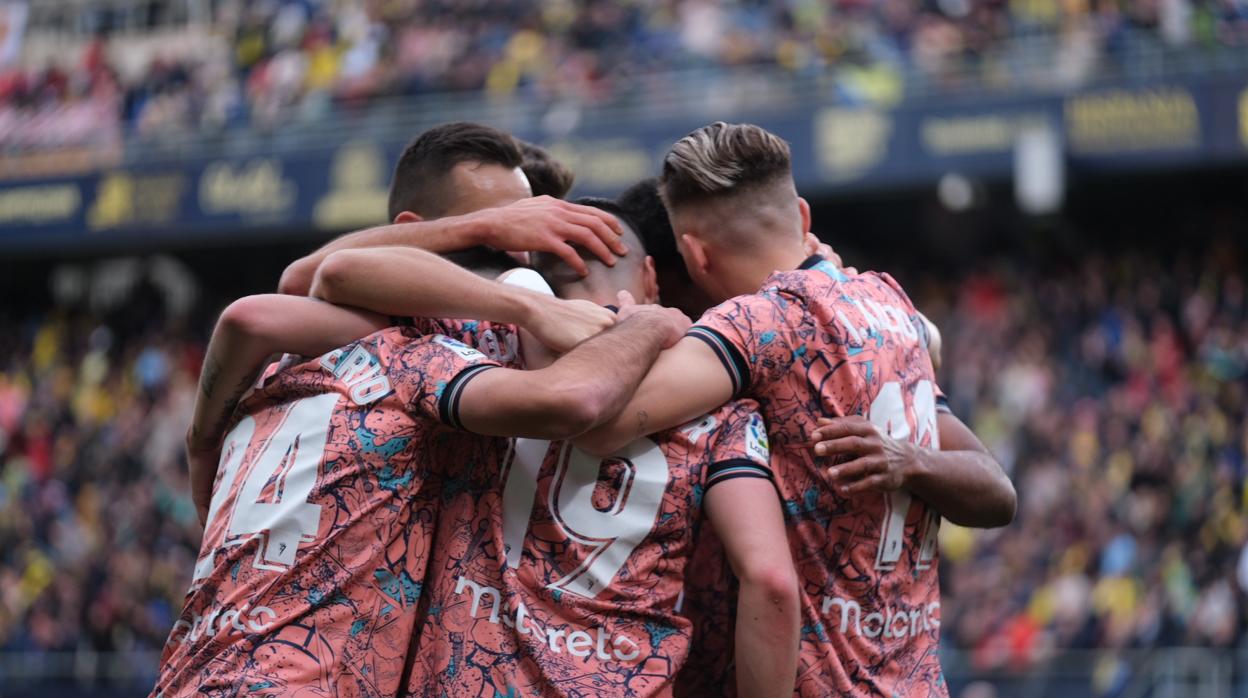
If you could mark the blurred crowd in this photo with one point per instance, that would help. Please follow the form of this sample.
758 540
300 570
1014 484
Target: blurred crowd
97 533
1117 395
1115 391
275 62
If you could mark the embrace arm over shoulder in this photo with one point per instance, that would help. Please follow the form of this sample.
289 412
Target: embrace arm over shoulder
538 224
686 381
402 281
442 235
578 391
747 518
963 481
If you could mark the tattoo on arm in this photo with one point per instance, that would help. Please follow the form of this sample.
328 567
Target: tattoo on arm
208 378
642 418
231 403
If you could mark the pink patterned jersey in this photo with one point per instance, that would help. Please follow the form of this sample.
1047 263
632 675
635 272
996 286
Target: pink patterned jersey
562 573
821 342
313 561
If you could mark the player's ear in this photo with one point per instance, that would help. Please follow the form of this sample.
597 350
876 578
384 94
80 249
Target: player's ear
650 280
407 217
804 208
696 249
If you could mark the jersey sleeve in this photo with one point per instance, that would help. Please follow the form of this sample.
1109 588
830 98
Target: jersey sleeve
429 375
757 338
731 443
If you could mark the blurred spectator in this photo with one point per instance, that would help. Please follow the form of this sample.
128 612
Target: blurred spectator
283 61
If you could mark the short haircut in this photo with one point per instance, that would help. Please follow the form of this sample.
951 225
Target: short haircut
559 274
720 160
420 184
645 207
547 176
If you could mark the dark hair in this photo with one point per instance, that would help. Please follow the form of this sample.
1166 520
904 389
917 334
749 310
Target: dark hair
419 182
721 159
614 208
645 207
547 176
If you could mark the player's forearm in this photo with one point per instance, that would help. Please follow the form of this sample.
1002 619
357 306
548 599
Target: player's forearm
768 630
686 382
231 365
604 371
414 283
966 487
254 328
439 236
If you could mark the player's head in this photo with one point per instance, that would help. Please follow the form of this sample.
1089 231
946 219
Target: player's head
454 169
547 176
644 207
733 204
633 272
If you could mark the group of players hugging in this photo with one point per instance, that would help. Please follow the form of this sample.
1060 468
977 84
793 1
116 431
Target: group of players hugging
489 463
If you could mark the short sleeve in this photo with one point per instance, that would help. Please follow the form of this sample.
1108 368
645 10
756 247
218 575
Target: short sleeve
730 442
757 338
429 375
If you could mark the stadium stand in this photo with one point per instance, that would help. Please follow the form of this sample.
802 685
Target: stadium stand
164 69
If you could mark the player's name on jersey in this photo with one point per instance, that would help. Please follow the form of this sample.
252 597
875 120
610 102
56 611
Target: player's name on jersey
876 317
579 643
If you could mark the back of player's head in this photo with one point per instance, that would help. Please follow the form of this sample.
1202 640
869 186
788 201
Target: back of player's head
628 271
737 178
420 183
644 206
547 176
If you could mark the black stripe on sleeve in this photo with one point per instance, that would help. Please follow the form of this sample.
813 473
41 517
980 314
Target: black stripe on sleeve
734 363
942 404
448 403
734 468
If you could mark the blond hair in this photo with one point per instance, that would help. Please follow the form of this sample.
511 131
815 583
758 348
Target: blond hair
721 159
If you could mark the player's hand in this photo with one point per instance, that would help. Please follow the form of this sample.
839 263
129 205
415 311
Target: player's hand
816 246
674 322
561 325
202 457
867 460
547 224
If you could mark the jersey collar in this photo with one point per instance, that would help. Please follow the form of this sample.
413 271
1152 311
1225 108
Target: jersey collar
810 262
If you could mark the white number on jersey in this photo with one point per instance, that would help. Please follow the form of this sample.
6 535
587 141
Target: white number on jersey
888 412
612 534
288 461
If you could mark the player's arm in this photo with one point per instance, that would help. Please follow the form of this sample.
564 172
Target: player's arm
250 331
542 224
407 282
686 381
577 392
963 481
747 518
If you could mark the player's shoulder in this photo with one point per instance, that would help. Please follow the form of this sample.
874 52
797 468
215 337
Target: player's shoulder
737 424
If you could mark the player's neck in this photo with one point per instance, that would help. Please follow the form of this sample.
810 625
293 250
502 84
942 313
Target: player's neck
748 272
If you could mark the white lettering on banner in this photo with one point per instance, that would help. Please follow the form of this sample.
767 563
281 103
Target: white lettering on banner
581 643
892 623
